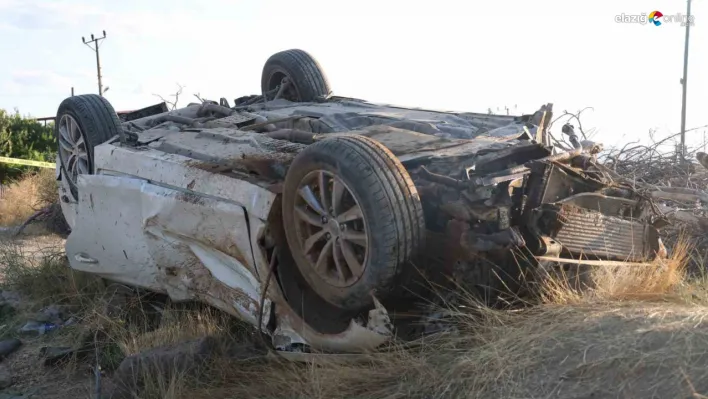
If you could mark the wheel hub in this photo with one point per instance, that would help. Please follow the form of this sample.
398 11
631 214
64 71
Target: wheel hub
285 87
73 151
331 228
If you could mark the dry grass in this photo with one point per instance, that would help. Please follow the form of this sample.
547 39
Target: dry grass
176 325
655 281
603 350
26 196
634 334
42 275
637 332
161 378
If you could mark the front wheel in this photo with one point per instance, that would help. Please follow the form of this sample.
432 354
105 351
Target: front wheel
353 219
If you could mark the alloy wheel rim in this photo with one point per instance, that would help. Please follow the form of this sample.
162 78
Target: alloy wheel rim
331 228
72 148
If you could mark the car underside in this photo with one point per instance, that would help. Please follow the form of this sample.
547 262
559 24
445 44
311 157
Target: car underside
325 220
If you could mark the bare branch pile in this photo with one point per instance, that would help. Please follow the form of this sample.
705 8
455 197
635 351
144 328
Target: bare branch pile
678 185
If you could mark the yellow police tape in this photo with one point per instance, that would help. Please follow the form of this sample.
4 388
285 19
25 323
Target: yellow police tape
38 164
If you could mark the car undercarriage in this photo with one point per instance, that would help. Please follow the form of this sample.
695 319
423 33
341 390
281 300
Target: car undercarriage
324 220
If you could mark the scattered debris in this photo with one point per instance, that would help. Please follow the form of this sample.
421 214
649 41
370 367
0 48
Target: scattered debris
677 185
8 346
6 378
182 359
51 216
52 314
18 395
53 355
37 328
10 298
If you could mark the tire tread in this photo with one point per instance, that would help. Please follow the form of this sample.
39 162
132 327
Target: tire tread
96 118
303 69
390 189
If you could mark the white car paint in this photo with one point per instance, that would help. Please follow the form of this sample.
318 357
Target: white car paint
157 221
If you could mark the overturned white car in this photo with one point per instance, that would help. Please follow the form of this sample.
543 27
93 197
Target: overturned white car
316 218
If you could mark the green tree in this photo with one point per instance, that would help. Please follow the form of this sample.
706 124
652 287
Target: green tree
24 138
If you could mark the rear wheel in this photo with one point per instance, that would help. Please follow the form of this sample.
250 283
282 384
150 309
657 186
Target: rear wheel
297 73
353 219
83 122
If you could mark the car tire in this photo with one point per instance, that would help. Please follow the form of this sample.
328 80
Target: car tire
96 122
389 215
307 79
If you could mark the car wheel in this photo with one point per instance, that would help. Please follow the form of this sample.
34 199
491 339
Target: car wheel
83 122
305 78
353 219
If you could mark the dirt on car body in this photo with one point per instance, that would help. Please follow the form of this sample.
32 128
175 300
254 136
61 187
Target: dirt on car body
340 210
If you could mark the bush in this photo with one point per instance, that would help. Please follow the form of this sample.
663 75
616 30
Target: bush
24 138
28 195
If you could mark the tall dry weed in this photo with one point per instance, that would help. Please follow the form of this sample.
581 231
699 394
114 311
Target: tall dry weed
26 196
612 281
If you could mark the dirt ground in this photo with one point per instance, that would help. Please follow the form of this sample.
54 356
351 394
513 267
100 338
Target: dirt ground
35 242
33 379
29 376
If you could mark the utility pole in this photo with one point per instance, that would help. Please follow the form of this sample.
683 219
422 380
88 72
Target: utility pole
684 82
98 59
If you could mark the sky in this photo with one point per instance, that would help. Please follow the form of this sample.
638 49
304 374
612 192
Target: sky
452 55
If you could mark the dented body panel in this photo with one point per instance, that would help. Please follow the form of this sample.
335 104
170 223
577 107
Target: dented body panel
187 203
162 222
189 247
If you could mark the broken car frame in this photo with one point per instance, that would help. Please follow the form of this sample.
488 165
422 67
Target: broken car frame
315 218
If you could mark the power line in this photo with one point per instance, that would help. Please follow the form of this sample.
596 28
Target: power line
684 82
682 134
694 128
95 41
